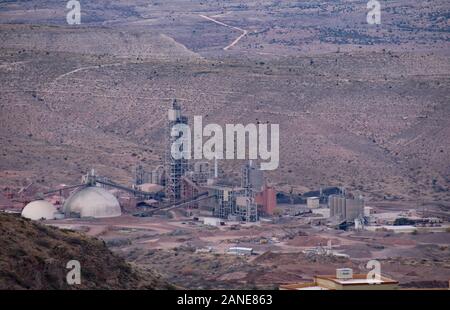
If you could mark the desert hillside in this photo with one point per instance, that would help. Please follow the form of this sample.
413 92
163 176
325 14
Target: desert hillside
34 256
361 107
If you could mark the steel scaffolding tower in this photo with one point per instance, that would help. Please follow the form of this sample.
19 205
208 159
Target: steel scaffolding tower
250 211
175 168
140 176
225 201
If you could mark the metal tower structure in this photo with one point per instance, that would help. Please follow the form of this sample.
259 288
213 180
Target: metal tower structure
248 178
139 175
175 168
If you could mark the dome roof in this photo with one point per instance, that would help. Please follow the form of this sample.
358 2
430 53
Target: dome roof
39 209
92 202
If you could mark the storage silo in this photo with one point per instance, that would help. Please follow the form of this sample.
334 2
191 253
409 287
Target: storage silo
38 210
92 202
354 208
336 203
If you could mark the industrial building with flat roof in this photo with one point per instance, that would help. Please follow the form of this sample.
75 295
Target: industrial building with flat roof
331 282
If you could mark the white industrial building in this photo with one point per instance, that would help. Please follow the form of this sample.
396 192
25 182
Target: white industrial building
92 202
212 221
312 202
368 211
240 251
324 212
38 210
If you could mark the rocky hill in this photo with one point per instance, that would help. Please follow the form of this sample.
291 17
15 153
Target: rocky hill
34 256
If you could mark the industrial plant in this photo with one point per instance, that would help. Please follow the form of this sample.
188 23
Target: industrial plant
192 207
196 188
224 145
191 185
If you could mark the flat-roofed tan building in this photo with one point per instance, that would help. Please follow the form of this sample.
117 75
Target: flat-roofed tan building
356 282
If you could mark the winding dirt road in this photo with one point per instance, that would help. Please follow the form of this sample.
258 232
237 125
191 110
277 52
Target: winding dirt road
244 32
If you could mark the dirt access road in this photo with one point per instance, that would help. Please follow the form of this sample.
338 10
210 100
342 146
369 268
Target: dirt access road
244 32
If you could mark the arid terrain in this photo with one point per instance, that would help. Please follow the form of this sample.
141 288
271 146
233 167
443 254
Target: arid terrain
360 106
34 256
192 255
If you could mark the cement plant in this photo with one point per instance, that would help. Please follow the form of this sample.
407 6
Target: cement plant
186 221
88 176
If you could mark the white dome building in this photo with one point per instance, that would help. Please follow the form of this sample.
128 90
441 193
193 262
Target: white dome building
39 209
92 202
